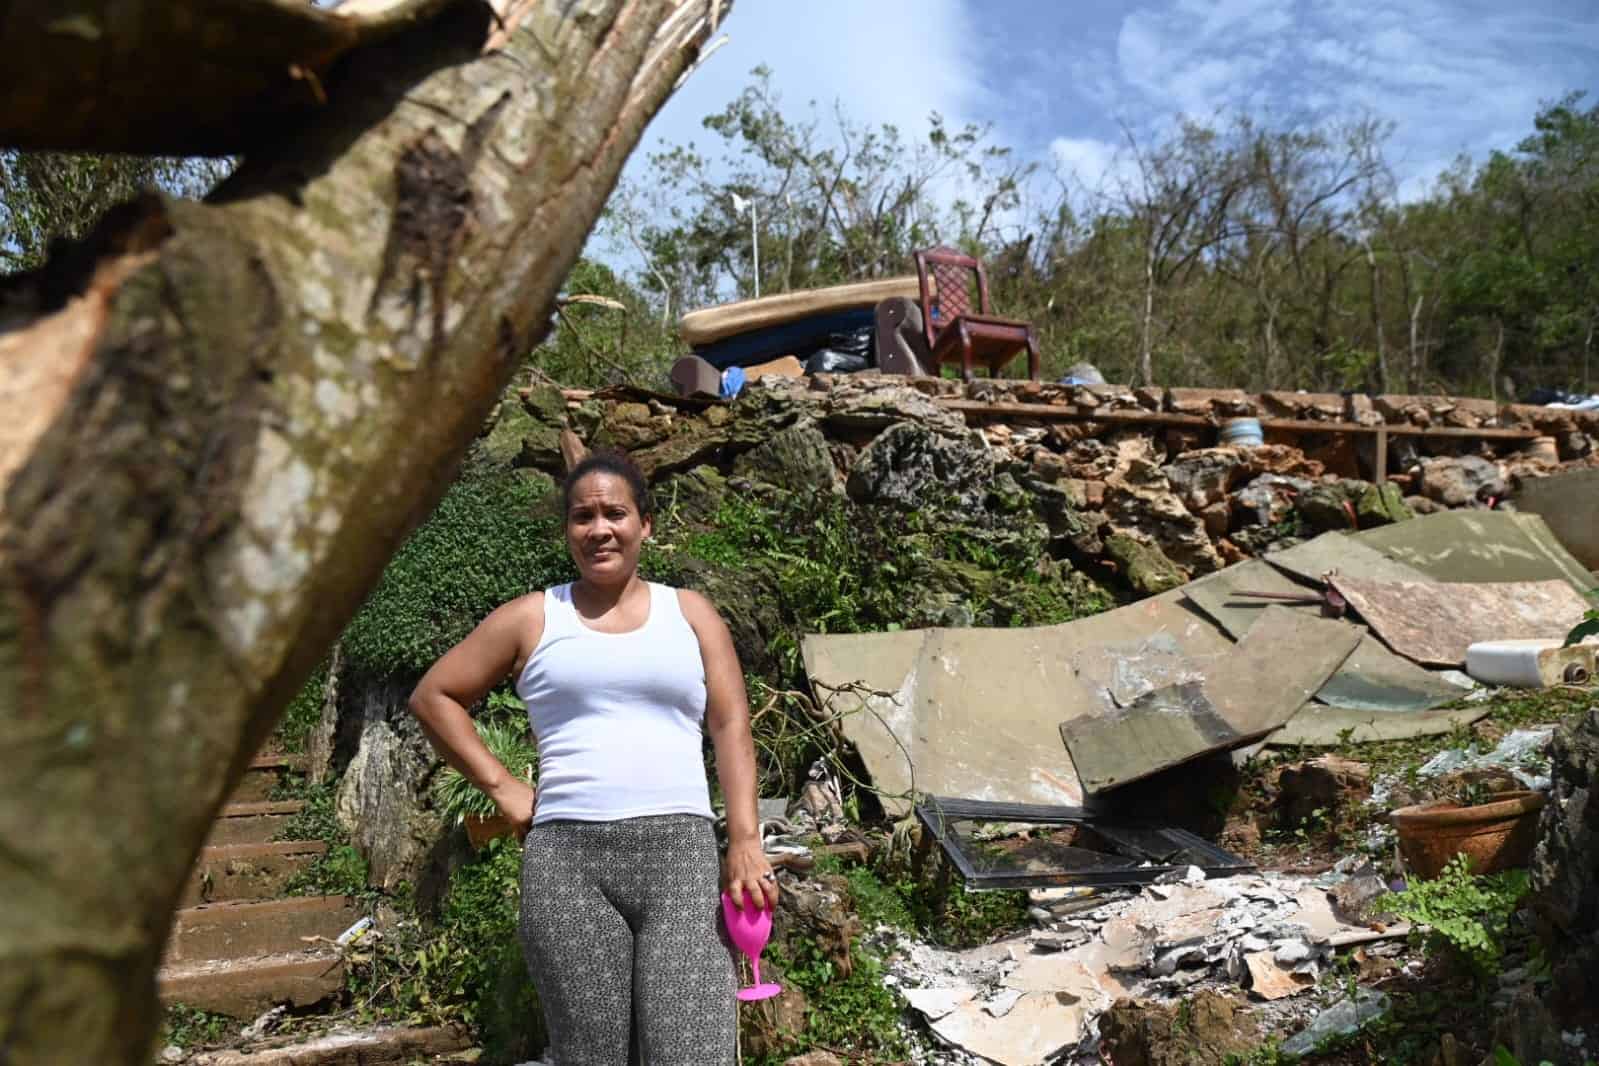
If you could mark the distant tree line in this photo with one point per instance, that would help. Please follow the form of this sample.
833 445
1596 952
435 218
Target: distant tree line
1228 253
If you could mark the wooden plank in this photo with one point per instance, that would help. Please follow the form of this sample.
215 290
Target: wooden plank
1049 412
1052 412
1403 429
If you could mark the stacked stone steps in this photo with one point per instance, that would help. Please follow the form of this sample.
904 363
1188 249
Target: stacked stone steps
252 823
239 946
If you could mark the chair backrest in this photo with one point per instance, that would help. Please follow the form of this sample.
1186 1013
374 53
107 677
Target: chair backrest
952 285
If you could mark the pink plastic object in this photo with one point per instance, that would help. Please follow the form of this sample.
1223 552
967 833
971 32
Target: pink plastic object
749 928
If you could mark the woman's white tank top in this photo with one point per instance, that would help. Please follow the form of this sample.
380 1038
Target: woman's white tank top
617 716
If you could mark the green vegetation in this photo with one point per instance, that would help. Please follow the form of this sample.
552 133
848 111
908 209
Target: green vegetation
190 1027
49 195
466 967
1245 251
853 1011
509 739
1467 915
1589 626
951 918
481 547
835 566
340 872
303 712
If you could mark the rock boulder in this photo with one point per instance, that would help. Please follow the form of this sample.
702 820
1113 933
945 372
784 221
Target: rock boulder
1565 872
912 466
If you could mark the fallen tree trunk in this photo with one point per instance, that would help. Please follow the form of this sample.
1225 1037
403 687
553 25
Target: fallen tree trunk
218 421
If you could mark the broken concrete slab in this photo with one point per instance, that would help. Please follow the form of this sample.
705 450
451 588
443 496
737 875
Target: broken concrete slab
1343 553
1169 940
1030 1033
1123 654
1324 727
1218 594
1281 662
1568 503
1372 678
1269 980
1479 546
975 712
1435 622
965 712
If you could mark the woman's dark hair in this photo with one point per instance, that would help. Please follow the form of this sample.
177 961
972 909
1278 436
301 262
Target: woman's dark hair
617 464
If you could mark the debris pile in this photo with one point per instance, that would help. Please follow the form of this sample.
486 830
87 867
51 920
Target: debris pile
1039 996
1126 477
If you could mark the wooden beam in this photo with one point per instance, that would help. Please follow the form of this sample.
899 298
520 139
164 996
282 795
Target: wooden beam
1047 412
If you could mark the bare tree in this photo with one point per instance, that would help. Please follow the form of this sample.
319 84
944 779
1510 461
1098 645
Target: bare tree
1181 203
217 421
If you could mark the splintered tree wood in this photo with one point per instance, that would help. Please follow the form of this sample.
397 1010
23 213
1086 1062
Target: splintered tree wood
1281 662
176 77
1435 622
219 420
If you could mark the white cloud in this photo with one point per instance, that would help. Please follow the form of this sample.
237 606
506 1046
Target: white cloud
1455 76
886 61
1090 164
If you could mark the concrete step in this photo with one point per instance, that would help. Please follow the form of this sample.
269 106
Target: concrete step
247 988
252 823
385 1046
265 773
240 930
247 871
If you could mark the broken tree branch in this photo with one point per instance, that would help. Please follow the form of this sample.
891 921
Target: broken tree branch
218 421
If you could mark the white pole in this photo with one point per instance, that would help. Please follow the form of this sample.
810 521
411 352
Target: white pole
755 250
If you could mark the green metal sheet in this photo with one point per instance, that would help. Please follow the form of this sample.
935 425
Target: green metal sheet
1325 727
1244 695
1373 678
1479 546
1344 554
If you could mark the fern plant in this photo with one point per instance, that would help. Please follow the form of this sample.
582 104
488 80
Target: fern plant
1470 915
510 743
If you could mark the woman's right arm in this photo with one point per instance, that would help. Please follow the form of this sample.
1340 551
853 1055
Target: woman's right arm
461 678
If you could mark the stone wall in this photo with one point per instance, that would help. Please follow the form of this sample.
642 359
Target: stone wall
1129 481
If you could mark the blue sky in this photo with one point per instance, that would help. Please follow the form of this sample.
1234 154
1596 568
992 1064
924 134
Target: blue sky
1057 79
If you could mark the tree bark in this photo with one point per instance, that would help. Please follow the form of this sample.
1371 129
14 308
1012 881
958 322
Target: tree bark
218 421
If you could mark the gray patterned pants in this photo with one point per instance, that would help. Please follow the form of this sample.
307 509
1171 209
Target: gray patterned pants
621 929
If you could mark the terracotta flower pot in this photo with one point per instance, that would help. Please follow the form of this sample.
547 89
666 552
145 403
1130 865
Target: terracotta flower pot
480 828
1493 836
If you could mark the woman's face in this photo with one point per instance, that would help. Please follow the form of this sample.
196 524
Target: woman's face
604 530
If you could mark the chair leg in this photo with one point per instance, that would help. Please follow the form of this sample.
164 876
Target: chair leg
1032 356
966 356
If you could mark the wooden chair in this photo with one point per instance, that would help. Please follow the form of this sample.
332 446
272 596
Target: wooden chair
961 331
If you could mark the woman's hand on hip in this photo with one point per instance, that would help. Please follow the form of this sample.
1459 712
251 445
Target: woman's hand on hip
748 877
516 799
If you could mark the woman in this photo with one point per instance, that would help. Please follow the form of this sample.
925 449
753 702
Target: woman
619 871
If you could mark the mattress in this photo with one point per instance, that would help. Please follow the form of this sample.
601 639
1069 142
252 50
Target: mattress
711 324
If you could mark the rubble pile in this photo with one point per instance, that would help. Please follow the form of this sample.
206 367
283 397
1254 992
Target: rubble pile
1044 995
1155 502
